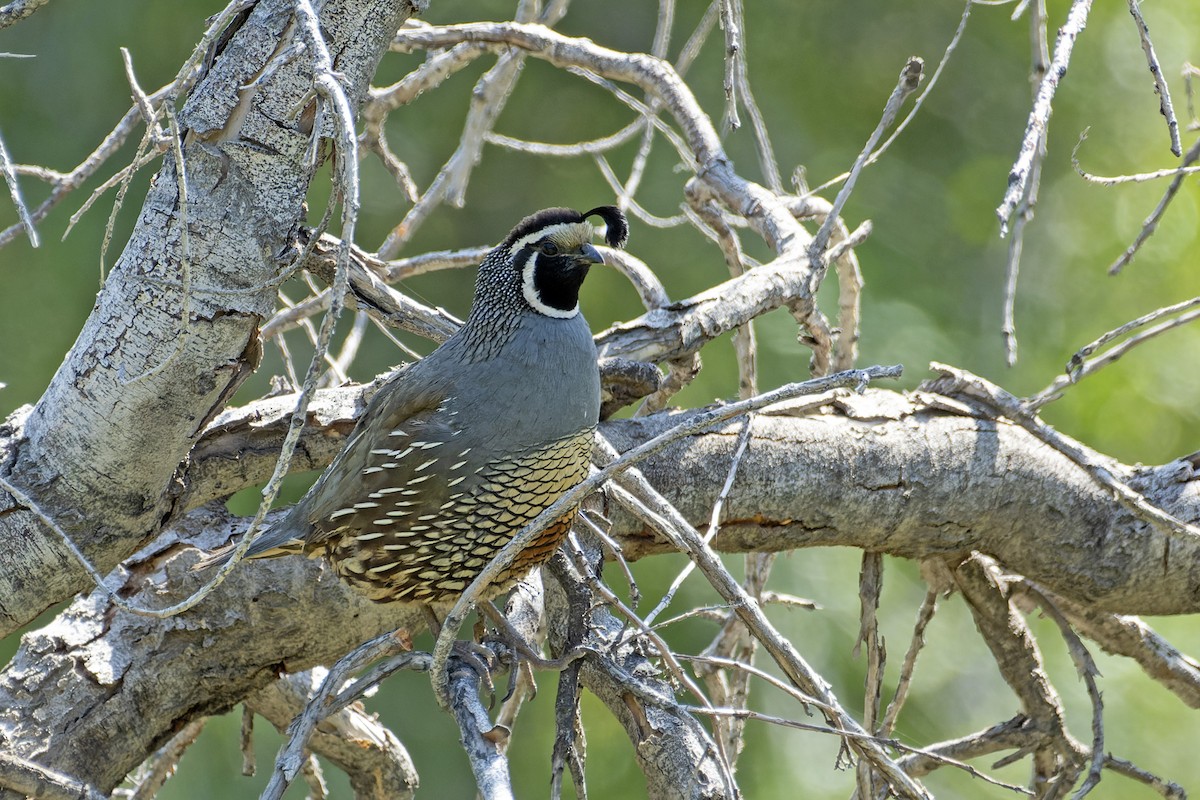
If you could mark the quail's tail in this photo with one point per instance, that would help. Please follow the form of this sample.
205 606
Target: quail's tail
279 540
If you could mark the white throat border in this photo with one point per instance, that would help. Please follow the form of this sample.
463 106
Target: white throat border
530 290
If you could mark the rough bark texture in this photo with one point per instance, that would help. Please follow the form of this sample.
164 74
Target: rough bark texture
174 333
914 477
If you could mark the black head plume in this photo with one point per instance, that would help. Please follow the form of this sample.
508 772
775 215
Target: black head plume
617 228
539 220
614 220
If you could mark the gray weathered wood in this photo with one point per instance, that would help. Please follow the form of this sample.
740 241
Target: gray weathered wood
173 335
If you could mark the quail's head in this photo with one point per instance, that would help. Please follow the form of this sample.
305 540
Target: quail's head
552 250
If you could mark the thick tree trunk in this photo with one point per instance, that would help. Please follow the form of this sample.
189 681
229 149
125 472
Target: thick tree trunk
175 330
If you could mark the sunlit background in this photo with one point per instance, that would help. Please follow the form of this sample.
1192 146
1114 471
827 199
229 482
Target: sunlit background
934 291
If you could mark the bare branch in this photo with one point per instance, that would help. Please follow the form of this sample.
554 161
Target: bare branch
713 221
870 587
714 522
1012 734
1087 671
907 669
1169 790
1131 637
917 103
479 735
733 642
1151 223
324 701
676 754
64 184
14 191
377 764
667 521
1081 365
1165 106
1039 117
1056 756
910 78
649 288
487 101
1029 196
368 291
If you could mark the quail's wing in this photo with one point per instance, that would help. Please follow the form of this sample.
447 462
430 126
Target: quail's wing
398 465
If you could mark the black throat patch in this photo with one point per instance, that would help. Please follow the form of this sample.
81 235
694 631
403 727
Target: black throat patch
557 280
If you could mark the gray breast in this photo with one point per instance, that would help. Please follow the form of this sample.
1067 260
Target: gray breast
542 386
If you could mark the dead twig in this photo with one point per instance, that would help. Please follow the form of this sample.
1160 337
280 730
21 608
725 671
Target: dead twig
1165 107
1029 197
1081 364
1039 116
1151 223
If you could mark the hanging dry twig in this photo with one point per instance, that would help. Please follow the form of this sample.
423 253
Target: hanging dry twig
1166 108
1024 211
1086 667
1039 117
908 667
1151 223
870 587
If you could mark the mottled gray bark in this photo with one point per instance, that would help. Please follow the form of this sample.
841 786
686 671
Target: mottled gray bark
95 692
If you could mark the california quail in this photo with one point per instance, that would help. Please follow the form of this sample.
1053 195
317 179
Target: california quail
457 452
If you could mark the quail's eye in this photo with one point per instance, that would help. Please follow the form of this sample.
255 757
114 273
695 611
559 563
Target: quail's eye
549 248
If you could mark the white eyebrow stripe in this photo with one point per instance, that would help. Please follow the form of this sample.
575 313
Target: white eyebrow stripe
549 230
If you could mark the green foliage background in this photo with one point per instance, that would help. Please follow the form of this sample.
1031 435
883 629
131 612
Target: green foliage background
934 275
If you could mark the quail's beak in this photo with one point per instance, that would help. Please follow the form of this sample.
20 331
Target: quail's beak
589 254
